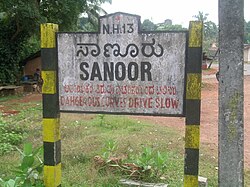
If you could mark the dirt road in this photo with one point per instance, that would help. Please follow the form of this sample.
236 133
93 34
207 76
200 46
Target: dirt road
209 116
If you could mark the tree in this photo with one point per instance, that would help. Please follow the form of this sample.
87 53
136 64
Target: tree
148 25
247 32
20 21
175 27
66 12
15 22
210 30
201 17
168 26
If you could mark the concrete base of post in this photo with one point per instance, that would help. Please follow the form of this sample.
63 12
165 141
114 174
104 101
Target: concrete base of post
202 181
131 183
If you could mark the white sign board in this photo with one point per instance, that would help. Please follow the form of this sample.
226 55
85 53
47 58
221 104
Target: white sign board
121 69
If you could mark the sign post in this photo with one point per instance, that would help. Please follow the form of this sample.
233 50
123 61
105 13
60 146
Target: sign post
231 95
51 114
193 104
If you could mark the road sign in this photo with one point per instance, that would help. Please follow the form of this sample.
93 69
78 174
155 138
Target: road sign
121 69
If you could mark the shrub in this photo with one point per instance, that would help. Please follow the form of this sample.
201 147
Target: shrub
28 172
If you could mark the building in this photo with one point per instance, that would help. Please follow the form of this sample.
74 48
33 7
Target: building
213 52
29 67
247 53
30 64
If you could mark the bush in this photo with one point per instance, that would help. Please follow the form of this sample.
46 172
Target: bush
147 166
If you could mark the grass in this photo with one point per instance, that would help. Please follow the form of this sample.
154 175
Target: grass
84 136
88 138
131 136
6 98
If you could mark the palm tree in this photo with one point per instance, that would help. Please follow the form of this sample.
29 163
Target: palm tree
93 10
201 17
210 29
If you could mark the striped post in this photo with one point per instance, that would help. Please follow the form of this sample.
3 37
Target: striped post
193 105
51 115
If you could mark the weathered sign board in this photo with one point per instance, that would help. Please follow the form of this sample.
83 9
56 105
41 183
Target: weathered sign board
122 70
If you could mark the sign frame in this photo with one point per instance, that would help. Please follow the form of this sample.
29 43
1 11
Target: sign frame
140 31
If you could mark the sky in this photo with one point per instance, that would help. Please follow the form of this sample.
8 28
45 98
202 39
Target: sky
179 11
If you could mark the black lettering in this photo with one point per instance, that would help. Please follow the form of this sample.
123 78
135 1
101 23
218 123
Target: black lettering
96 72
116 29
130 29
132 69
106 29
124 28
120 71
108 71
83 67
146 69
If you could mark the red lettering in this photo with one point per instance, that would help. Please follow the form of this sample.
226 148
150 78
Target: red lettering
140 102
174 103
166 102
150 100
165 90
149 90
131 103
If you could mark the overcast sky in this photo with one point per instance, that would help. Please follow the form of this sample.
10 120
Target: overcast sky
179 11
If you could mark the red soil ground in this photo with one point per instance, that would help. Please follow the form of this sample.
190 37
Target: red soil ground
209 115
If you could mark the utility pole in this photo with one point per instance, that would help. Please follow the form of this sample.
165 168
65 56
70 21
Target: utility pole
231 98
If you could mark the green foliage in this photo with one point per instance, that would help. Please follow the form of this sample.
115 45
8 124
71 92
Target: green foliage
16 29
109 148
148 25
101 118
28 173
66 12
85 26
148 166
152 164
167 27
247 32
19 28
10 136
29 47
8 53
210 30
83 138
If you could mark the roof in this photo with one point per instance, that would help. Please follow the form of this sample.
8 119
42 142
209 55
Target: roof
31 57
246 46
